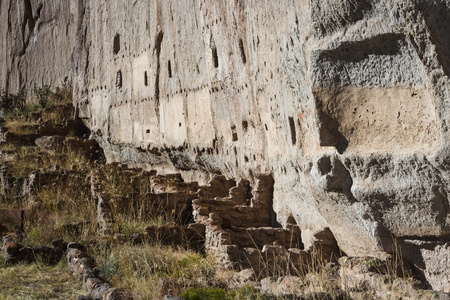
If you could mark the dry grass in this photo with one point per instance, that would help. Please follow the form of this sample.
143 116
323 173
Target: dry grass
54 117
153 270
30 158
130 206
65 210
38 281
134 217
120 183
26 160
20 125
7 148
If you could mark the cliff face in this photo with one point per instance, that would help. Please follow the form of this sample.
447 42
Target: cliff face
344 103
38 41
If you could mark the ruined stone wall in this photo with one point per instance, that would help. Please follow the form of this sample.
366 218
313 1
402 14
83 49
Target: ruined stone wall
345 103
205 87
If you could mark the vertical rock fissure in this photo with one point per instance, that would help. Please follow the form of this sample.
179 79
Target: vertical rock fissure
29 15
116 44
9 17
158 45
241 47
215 57
170 69
27 19
293 132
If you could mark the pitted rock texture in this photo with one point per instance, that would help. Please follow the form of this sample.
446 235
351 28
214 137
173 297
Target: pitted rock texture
37 43
344 102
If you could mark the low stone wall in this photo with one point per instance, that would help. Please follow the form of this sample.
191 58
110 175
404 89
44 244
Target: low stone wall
80 264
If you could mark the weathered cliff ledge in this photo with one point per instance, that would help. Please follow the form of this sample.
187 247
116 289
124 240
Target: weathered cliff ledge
343 103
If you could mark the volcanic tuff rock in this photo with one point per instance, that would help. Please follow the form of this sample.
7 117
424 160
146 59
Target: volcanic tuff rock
343 102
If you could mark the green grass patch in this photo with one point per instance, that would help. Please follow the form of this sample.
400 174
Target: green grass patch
205 294
214 293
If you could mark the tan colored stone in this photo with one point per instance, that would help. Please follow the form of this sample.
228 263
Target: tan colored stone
93 283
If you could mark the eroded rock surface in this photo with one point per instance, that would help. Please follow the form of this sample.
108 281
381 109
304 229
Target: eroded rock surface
344 103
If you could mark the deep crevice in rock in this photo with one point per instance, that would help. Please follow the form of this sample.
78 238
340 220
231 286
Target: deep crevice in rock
116 44
241 48
158 45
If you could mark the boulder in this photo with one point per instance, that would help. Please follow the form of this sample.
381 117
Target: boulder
54 142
